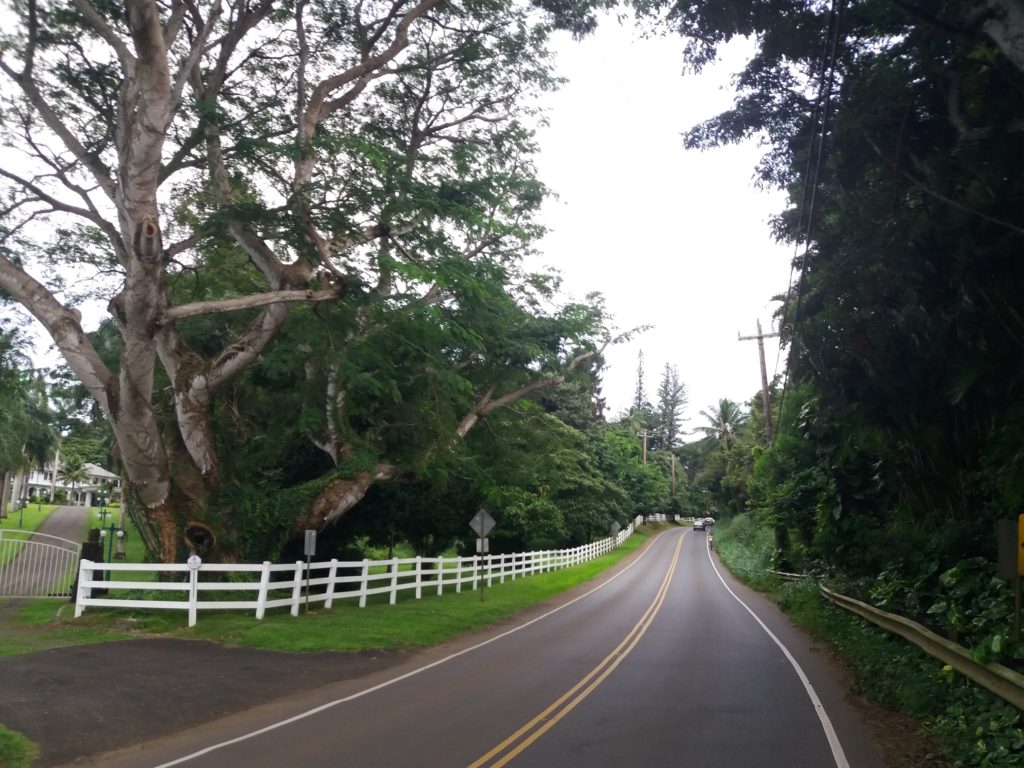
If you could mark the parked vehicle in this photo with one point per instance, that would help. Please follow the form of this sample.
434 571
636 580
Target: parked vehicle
698 524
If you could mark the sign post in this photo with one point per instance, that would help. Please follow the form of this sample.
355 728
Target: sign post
482 523
308 549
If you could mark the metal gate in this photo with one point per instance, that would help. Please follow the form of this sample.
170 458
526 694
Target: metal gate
36 564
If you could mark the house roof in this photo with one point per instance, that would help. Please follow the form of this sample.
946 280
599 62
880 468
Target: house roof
95 470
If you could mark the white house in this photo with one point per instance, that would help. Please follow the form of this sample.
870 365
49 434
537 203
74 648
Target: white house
44 483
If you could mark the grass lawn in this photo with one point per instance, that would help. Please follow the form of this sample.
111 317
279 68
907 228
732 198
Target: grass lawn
411 623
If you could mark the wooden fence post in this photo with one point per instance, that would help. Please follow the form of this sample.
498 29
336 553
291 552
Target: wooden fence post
193 596
261 598
331 581
394 581
297 587
83 592
364 583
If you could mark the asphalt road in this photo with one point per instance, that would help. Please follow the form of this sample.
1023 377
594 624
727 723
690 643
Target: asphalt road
659 664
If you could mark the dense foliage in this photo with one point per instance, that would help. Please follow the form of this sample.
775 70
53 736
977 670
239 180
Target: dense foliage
899 130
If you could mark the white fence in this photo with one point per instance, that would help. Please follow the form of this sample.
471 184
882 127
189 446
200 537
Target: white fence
36 564
241 587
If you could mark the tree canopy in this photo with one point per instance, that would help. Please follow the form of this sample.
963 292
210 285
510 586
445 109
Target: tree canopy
898 129
307 221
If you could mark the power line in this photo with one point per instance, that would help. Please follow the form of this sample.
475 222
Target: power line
819 129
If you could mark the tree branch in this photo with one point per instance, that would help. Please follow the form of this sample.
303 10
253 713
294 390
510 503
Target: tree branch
112 39
486 405
173 314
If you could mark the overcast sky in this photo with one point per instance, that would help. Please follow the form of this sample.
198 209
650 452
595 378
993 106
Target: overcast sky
674 238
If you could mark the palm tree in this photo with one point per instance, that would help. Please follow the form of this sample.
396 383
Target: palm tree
723 421
25 420
73 472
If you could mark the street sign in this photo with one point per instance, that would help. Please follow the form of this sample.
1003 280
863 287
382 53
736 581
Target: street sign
483 546
194 561
482 523
309 544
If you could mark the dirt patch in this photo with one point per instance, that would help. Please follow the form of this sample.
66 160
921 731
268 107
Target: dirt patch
901 738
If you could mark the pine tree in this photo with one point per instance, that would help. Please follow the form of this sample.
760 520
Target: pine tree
672 400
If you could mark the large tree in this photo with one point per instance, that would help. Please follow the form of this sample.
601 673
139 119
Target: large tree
355 177
672 400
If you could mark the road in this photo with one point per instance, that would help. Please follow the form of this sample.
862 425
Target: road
660 664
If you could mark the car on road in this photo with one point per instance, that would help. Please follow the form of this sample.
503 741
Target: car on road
698 524
709 521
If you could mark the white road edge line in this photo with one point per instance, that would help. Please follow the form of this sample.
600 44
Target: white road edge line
830 732
392 681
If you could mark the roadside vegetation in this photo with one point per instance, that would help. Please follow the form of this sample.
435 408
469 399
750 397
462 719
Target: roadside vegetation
974 728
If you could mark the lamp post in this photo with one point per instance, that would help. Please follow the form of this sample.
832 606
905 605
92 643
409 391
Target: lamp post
109 534
103 510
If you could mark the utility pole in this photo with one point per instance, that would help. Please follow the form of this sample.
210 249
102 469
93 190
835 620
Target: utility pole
673 457
765 400
645 434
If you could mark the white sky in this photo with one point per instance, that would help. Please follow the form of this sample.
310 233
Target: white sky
673 238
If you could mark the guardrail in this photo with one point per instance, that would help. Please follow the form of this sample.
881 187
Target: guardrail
995 678
292 585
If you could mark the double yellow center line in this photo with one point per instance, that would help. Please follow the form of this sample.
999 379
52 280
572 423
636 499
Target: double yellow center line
507 750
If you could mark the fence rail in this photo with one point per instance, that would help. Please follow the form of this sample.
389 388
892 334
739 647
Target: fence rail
259 587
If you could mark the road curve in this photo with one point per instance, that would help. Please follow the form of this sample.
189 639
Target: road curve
661 664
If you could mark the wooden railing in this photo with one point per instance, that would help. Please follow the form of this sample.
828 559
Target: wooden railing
259 587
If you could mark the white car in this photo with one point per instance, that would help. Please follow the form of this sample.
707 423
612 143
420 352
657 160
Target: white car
698 524
709 521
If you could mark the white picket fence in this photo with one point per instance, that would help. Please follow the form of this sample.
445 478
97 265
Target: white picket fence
257 587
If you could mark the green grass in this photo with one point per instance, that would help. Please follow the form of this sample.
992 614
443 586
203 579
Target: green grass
16 751
32 517
345 627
